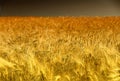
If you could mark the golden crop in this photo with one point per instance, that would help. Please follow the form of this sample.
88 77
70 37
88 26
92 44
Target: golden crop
60 49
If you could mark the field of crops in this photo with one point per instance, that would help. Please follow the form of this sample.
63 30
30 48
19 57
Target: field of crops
59 48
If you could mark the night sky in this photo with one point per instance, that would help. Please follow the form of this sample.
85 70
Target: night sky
59 7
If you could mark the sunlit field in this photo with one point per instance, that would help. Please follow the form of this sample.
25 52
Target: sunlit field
60 49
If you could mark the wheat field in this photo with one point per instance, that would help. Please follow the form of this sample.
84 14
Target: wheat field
59 48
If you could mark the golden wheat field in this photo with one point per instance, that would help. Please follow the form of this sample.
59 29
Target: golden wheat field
59 48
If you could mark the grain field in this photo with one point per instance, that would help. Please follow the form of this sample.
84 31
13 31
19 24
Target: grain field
59 48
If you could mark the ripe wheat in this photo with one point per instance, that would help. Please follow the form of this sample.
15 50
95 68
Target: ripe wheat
59 49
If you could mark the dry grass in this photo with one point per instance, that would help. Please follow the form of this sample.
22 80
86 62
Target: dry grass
60 49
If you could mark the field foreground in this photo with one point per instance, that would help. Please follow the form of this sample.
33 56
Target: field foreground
59 49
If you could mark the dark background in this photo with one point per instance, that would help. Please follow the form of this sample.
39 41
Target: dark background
59 7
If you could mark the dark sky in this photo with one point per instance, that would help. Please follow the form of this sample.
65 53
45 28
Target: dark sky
60 8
